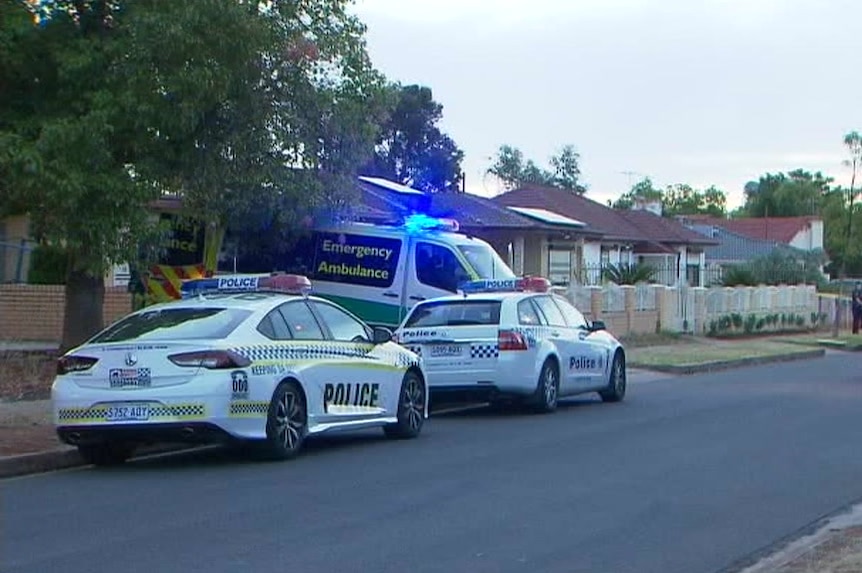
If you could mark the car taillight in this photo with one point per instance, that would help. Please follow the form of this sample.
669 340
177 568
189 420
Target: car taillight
511 340
211 359
66 364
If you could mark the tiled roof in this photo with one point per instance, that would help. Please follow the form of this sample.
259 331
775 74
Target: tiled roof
664 230
781 229
631 226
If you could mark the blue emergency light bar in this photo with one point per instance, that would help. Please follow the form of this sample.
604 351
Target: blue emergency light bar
288 284
419 223
523 284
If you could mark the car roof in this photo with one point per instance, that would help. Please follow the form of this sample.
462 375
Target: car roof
253 301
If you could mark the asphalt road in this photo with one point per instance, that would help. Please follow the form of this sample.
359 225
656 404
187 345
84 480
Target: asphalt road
688 475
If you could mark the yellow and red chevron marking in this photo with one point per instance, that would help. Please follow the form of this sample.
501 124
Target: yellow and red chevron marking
164 281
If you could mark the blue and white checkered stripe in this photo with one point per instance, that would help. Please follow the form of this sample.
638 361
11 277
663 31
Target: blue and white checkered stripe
484 351
316 351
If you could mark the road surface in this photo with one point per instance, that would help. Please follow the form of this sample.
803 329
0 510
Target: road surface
688 475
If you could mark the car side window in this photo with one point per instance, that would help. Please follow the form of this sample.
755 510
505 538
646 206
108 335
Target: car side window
301 321
273 326
550 311
437 266
572 315
341 325
527 314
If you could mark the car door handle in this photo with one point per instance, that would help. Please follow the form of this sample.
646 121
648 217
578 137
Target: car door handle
414 297
391 294
582 335
555 334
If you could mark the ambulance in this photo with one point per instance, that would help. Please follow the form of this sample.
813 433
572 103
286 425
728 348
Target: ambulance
379 272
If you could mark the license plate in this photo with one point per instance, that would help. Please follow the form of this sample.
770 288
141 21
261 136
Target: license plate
440 350
127 413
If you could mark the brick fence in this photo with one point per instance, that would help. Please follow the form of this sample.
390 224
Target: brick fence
35 312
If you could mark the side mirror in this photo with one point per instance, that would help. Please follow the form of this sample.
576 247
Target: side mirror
382 335
597 325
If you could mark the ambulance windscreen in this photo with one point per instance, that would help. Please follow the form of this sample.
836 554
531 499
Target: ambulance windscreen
486 262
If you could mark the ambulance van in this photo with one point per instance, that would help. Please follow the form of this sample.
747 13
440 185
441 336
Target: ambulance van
380 272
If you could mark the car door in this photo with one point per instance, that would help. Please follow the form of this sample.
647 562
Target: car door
361 381
596 353
295 323
571 349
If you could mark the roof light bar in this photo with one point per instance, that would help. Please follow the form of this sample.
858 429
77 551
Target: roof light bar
282 283
523 284
419 223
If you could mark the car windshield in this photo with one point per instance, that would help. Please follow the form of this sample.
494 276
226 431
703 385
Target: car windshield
175 324
486 262
455 313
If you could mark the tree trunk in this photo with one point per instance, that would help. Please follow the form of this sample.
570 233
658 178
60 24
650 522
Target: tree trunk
85 295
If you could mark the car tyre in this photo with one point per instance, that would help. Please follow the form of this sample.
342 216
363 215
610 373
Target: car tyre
106 454
286 422
616 390
411 409
547 393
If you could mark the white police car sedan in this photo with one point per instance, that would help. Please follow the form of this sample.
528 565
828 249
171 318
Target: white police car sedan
513 339
241 357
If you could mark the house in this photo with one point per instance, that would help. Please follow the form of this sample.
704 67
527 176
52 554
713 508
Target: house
804 233
745 239
638 236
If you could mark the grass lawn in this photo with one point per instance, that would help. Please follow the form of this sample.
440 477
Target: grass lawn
706 352
843 340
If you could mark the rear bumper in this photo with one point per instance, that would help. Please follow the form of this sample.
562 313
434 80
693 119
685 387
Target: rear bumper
192 432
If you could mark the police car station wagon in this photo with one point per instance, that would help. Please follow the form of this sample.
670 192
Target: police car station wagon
250 358
513 339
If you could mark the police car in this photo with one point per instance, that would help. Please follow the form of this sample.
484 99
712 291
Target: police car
514 339
241 357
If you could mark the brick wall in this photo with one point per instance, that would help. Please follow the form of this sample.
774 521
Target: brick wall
35 312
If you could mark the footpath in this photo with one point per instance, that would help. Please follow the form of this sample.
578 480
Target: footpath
29 445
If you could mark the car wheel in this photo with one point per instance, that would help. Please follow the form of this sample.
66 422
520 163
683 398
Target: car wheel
106 453
548 388
286 422
411 409
616 390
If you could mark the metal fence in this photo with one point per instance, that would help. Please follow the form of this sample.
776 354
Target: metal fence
668 275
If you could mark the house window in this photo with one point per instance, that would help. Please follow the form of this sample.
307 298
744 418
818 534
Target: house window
559 266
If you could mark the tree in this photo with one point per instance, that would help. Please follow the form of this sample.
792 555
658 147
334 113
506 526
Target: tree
66 117
793 194
678 199
515 171
411 148
108 104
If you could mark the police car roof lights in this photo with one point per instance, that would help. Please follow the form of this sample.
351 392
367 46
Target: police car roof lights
282 283
523 284
419 223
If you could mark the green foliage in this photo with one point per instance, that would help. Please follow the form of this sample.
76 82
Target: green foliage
735 324
515 171
411 148
778 267
626 274
678 199
48 265
793 194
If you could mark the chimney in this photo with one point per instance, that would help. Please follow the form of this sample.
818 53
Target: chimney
651 205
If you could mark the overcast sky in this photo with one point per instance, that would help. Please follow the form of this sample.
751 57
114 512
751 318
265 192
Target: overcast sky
684 91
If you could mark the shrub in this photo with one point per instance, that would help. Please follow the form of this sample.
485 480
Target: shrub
625 274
